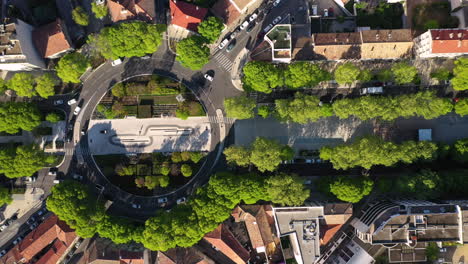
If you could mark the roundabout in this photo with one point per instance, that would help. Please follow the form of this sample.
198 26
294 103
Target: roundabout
95 87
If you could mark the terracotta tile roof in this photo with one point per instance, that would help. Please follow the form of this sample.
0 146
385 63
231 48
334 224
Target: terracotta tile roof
50 39
186 15
242 4
125 10
163 259
54 253
379 36
337 38
254 232
327 232
48 231
449 40
337 52
224 241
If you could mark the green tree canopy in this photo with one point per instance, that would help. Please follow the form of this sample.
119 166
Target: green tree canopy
192 52
23 84
304 74
45 85
460 150
16 116
80 16
262 76
5 196
23 160
264 111
211 28
441 74
71 66
73 203
267 154
346 73
240 107
461 107
365 76
385 75
53 117
100 11
186 170
460 72
302 109
369 151
128 39
350 189
237 155
404 73
287 190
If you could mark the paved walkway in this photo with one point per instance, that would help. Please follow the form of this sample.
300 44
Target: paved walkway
120 136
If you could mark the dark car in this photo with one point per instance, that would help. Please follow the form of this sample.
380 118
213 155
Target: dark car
250 27
231 45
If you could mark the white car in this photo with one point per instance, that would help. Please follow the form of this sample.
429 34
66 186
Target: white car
34 225
244 25
314 10
2 253
17 240
58 102
253 17
223 43
267 28
277 19
208 77
136 206
116 62
72 102
181 200
325 12
162 200
372 90
276 3
77 110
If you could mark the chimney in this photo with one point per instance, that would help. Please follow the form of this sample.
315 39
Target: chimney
459 43
196 7
347 39
460 35
451 35
336 40
389 35
377 36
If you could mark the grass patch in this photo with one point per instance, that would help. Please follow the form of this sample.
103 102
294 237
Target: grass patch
145 111
157 100
195 109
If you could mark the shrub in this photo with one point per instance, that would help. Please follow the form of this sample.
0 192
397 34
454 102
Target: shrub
196 156
461 107
151 182
165 169
145 111
264 111
186 170
163 181
53 117
441 74
143 169
80 16
100 11
122 170
185 155
176 157
182 113
140 182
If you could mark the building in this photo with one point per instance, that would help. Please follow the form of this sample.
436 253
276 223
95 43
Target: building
100 250
182 255
186 16
232 12
460 10
386 44
442 43
222 240
18 52
52 40
335 216
45 244
337 46
279 38
122 10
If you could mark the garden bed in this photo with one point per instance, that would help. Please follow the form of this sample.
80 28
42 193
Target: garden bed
433 15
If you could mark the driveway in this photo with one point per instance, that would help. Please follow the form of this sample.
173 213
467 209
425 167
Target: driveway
133 135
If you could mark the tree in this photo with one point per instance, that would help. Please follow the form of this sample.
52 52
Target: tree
441 74
176 157
211 28
196 156
53 117
266 154
80 16
365 76
424 184
192 52
73 203
460 73
122 170
346 73
432 252
3 85
100 11
45 85
404 73
186 170
5 196
302 109
304 74
461 107
237 155
182 113
351 190
431 24
23 84
369 151
71 66
151 182
163 181
185 155
23 160
239 107
16 116
287 190
385 75
128 39
262 76
165 169
264 111
460 150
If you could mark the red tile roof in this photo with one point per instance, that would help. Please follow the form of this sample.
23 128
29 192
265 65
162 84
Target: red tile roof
125 10
223 240
327 232
163 259
186 15
225 10
449 40
53 254
50 39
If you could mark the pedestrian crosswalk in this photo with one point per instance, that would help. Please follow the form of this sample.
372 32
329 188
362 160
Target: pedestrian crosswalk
224 61
69 151
217 120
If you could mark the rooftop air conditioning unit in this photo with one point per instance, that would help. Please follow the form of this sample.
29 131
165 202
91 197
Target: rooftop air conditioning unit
99 2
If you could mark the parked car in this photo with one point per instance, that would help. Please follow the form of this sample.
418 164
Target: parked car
99 187
162 200
136 206
53 172
57 181
276 3
253 17
233 35
223 43
325 12
58 102
77 177
276 20
331 12
371 90
208 77
77 110
116 62
147 57
34 225
83 131
314 10
231 45
181 200
17 240
72 102
267 28
31 220
42 211
244 25
250 27
2 253
104 131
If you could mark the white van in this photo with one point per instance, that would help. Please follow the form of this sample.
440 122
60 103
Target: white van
372 90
